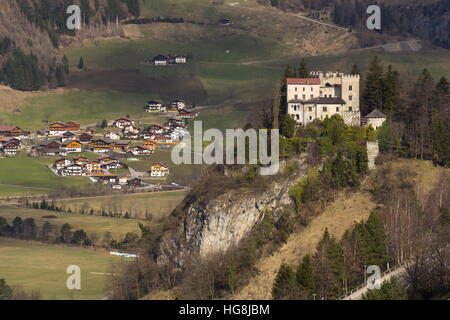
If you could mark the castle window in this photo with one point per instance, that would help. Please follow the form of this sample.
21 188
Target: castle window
295 88
311 88
296 97
350 109
350 88
350 98
324 109
309 109
304 97
337 109
311 96
303 89
297 117
310 117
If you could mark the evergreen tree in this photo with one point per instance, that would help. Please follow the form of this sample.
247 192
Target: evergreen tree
390 91
373 90
390 290
65 63
60 81
305 275
443 86
355 70
284 284
80 64
303 70
288 127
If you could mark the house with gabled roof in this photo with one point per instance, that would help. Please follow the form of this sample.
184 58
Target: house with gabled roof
123 122
140 151
57 128
155 107
72 146
159 169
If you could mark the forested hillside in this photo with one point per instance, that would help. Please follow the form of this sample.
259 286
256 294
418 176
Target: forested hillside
31 32
428 20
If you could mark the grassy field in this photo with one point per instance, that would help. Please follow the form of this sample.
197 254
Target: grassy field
41 267
157 205
31 175
90 224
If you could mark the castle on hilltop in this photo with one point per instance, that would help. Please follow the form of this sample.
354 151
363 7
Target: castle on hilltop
322 95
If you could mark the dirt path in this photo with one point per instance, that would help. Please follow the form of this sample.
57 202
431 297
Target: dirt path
338 216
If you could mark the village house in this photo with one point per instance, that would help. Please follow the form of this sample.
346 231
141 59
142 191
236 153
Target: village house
131 129
156 129
13 131
72 170
324 95
72 146
11 147
135 182
140 151
164 139
122 180
130 135
155 107
61 163
180 59
108 163
89 131
85 137
183 113
80 160
68 136
120 146
178 104
72 126
160 60
57 128
100 145
93 166
149 144
49 147
159 170
112 135
176 122
123 122
376 118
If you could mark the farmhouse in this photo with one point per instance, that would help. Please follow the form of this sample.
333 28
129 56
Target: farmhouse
149 144
72 146
112 135
376 118
85 138
123 122
183 113
100 145
11 147
93 166
180 59
155 107
72 170
139 151
49 147
13 131
61 163
80 160
176 122
160 60
68 136
159 170
324 95
57 128
72 126
178 104
136 182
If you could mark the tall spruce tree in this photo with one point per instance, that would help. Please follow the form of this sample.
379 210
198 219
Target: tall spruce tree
390 92
284 284
305 276
80 63
303 71
355 70
373 91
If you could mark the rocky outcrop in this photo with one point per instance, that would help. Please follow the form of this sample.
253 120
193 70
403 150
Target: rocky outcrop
219 224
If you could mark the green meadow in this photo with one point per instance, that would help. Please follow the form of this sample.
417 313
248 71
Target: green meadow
90 224
35 266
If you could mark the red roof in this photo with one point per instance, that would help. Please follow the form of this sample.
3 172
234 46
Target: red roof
314 81
7 128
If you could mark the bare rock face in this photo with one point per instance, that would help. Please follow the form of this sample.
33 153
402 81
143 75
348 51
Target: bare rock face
221 223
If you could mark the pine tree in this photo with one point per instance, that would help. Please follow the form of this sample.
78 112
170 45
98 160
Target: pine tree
305 275
303 70
65 63
373 94
443 86
390 92
355 70
284 284
80 63
60 77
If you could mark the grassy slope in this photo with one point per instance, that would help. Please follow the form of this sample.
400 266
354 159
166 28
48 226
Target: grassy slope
90 224
37 266
338 216
157 204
